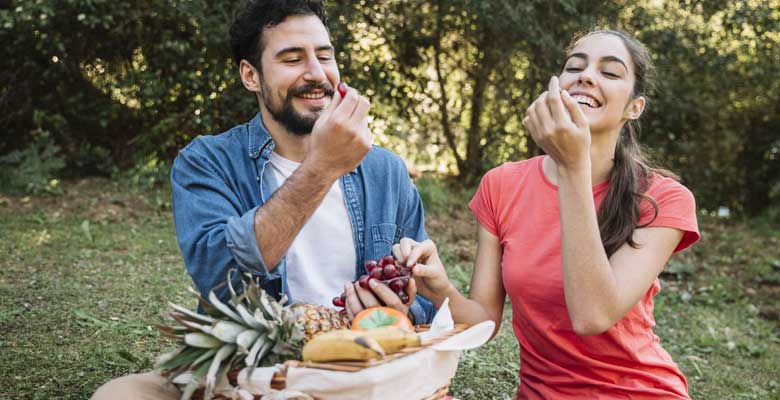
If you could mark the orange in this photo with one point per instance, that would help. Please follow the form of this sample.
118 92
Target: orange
377 317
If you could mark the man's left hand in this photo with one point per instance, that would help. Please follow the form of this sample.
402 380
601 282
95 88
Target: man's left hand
358 298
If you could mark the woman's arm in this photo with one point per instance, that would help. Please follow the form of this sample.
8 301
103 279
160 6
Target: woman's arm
600 291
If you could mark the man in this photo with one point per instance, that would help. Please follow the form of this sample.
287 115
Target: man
298 196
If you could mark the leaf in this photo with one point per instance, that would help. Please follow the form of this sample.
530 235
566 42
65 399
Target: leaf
85 228
377 319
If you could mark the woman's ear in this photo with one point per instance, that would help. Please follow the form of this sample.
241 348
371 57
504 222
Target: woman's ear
635 108
250 76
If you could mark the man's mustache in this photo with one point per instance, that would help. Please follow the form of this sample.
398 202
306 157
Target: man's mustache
327 88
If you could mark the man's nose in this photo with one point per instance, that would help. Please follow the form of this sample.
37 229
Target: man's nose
314 70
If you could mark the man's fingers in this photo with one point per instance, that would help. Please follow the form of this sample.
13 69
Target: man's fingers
577 116
411 290
361 109
348 104
386 295
366 297
352 303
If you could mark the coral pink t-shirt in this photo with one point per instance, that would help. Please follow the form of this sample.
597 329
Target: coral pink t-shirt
517 204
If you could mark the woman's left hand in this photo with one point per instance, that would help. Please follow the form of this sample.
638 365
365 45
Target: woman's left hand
559 127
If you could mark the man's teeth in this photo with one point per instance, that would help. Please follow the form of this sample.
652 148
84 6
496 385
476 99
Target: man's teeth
313 95
588 101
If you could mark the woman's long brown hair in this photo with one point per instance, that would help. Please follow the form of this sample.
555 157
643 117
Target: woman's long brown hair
619 213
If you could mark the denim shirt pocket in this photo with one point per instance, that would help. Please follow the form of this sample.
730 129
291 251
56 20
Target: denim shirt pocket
383 237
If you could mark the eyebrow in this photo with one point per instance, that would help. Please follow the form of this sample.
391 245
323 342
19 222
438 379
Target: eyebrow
288 50
603 59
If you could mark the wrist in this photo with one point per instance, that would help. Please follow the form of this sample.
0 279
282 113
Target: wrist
317 173
449 291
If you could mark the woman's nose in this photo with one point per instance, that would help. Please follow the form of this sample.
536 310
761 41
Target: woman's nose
586 77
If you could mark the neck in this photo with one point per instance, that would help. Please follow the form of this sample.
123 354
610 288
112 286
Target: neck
288 144
602 156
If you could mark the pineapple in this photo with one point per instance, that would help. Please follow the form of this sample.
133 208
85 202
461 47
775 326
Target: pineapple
252 330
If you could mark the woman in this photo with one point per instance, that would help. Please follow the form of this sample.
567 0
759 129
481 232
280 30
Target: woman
577 238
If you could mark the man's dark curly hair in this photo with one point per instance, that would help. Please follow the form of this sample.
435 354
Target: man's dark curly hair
246 33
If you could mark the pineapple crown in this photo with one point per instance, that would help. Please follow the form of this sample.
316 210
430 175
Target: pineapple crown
251 330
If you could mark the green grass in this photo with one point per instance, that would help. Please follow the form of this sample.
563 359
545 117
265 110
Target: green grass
84 277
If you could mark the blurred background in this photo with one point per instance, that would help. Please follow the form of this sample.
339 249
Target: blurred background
107 88
98 96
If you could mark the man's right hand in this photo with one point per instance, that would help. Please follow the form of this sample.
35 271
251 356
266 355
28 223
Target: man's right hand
340 138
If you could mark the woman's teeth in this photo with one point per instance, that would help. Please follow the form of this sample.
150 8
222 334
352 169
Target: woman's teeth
586 100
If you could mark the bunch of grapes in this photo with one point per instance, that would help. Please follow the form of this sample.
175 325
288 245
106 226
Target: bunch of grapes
386 270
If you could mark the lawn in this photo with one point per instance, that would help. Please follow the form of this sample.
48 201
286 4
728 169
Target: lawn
84 277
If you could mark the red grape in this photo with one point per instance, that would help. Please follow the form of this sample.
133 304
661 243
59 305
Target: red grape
342 87
363 281
390 271
397 285
376 274
370 265
387 260
338 302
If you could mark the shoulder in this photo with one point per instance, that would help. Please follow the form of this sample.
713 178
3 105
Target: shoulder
663 189
513 172
381 161
215 149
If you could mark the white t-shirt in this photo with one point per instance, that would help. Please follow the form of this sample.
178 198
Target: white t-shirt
322 257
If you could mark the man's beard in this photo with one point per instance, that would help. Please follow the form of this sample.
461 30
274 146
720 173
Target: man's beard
286 115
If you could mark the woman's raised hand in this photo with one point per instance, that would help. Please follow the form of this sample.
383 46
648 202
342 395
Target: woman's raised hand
428 271
559 127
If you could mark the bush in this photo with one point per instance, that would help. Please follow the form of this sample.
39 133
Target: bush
32 170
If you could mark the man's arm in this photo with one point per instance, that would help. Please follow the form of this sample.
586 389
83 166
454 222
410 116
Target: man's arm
338 143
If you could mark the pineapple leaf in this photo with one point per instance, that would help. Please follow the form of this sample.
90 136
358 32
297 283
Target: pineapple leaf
205 356
227 331
201 340
223 308
182 359
211 376
248 318
246 339
192 315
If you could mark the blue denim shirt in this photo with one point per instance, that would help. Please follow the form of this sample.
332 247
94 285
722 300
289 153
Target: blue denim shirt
220 181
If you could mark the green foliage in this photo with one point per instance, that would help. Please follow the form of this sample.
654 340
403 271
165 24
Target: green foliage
31 170
449 80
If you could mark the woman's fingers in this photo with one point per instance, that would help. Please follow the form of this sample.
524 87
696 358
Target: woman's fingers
559 113
577 116
421 252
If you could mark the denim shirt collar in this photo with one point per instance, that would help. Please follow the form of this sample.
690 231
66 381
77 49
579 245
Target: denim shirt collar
260 142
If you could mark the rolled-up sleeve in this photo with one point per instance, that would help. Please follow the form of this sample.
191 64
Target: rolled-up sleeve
214 232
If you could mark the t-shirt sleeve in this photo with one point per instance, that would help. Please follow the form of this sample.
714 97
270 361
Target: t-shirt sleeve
483 204
676 209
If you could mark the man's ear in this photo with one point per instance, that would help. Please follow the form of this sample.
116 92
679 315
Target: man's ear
635 108
250 76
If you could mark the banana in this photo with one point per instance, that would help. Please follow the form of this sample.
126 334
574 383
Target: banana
392 338
342 345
